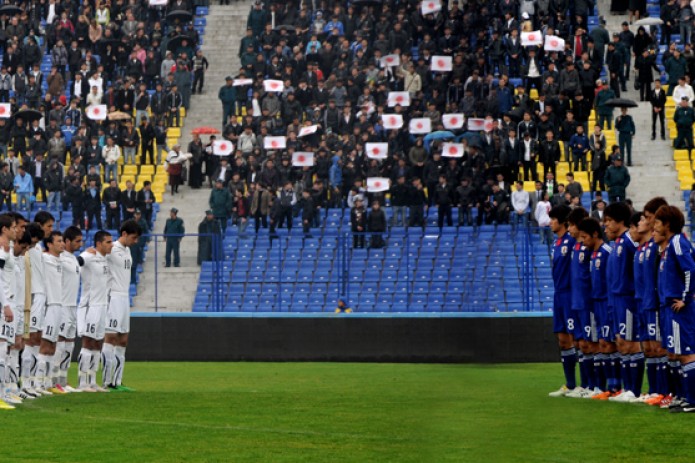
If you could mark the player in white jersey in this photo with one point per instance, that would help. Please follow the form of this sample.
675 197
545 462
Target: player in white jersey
94 299
47 367
118 314
7 235
45 222
72 237
20 247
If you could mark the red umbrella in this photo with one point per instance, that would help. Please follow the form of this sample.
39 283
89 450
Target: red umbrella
205 131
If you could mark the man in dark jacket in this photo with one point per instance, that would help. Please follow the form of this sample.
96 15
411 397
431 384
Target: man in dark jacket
466 201
128 201
684 117
92 200
111 198
173 229
6 185
443 199
549 153
617 179
358 223
308 212
75 196
399 202
376 224
209 239
53 181
417 204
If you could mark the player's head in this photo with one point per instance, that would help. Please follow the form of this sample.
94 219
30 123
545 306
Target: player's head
574 219
650 209
20 222
635 232
46 220
7 227
130 231
590 233
617 219
668 221
558 218
103 241
54 243
72 236
35 231
22 244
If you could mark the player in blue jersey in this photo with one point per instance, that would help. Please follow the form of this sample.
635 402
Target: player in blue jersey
605 360
584 329
563 321
620 279
640 236
656 359
676 290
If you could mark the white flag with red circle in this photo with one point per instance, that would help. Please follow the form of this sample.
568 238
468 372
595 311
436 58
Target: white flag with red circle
392 121
378 184
430 6
271 85
554 43
442 63
452 150
390 60
398 98
303 158
240 82
531 38
453 121
488 124
97 112
5 110
307 130
377 150
476 124
158 2
274 143
222 147
420 125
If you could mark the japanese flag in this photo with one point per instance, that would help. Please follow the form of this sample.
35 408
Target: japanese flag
453 121
5 110
240 82
274 143
302 158
377 184
554 43
222 147
390 60
430 6
158 2
97 112
392 121
398 98
487 125
307 130
452 150
271 85
420 125
442 63
476 124
531 38
377 150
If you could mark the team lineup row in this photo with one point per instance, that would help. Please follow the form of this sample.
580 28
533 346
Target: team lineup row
625 304
48 295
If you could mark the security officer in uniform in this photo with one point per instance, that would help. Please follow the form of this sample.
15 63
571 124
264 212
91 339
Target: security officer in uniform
684 117
173 229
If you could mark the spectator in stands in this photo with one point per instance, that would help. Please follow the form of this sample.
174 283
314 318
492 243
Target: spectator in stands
209 238
6 185
53 181
543 219
520 205
92 202
358 223
644 65
684 117
128 201
625 126
227 95
111 153
376 224
173 231
683 89
603 111
145 201
617 179
74 195
657 98
579 145
599 165
417 204
260 202
111 198
174 168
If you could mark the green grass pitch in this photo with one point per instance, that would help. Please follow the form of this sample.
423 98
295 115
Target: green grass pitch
340 412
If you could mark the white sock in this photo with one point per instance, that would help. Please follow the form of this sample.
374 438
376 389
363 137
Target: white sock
85 361
13 369
65 359
33 372
54 369
43 369
120 364
3 367
108 360
93 367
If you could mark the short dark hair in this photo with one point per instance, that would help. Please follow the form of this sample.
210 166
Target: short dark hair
672 216
129 227
17 216
635 218
43 217
100 236
35 230
6 221
590 226
50 238
71 233
620 212
654 204
561 213
25 238
577 215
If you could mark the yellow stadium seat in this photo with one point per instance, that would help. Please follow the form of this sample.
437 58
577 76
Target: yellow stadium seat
182 111
173 132
681 155
143 177
130 170
683 165
529 186
147 169
533 94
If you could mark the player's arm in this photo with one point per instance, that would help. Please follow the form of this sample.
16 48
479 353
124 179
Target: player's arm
686 264
4 293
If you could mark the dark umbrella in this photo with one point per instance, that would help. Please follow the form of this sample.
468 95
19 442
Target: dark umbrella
10 10
473 139
28 115
516 114
179 15
285 27
175 42
621 103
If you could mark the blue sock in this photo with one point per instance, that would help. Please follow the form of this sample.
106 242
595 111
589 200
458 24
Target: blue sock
583 370
617 371
569 361
625 371
689 382
673 378
590 376
637 373
680 384
662 376
652 367
600 371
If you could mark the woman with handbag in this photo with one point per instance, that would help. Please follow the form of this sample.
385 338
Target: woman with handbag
174 167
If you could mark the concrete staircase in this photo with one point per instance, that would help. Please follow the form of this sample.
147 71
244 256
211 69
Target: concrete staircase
176 287
653 171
